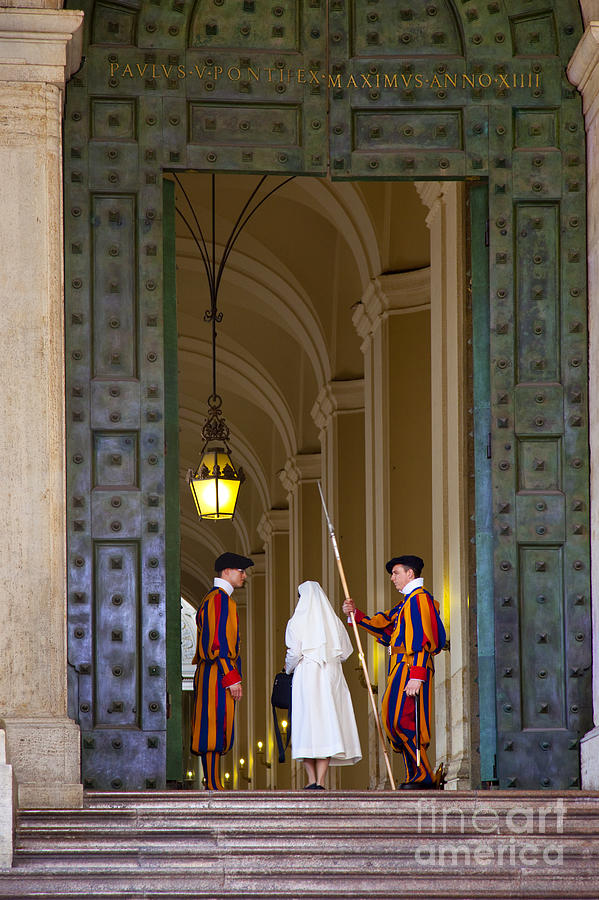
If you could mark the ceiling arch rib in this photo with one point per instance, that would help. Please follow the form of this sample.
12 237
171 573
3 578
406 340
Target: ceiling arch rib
277 290
343 207
205 533
244 376
190 566
251 463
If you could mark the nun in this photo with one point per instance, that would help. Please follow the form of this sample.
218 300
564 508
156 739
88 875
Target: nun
323 725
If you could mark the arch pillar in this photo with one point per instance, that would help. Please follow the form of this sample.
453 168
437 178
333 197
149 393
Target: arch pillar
40 50
255 674
446 223
392 319
273 528
300 479
338 413
583 71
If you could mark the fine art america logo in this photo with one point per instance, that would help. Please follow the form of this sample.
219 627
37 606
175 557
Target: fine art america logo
406 81
515 837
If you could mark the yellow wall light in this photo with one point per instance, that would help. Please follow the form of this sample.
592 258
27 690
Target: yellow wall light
215 483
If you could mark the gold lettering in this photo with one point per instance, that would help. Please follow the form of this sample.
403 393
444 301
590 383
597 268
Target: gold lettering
218 71
270 71
452 79
335 82
390 82
406 82
167 74
301 76
467 79
230 73
181 72
200 72
487 82
253 74
503 82
435 82
141 69
313 77
127 71
351 81
365 81
418 81
538 82
113 68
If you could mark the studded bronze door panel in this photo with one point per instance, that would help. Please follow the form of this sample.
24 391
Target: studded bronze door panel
164 86
435 90
414 90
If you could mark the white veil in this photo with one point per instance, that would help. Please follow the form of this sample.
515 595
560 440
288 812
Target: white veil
314 629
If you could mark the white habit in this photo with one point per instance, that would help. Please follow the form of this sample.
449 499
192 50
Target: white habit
322 716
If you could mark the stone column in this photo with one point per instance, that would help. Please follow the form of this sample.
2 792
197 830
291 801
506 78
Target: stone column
339 415
255 673
273 528
583 72
300 479
39 50
445 220
7 806
393 321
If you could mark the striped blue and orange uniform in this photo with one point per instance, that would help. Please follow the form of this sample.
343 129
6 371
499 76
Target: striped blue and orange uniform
414 633
218 665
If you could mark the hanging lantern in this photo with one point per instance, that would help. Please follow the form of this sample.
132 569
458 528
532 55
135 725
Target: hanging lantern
215 483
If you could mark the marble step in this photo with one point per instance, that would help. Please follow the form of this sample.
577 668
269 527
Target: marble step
351 846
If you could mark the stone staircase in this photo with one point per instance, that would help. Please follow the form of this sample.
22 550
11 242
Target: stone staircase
358 845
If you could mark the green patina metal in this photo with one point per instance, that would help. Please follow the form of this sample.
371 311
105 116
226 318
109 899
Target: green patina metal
174 749
433 90
481 330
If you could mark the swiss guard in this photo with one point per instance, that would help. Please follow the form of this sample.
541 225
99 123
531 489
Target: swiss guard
414 633
217 682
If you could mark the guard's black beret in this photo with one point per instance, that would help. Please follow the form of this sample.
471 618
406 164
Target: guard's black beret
410 562
232 561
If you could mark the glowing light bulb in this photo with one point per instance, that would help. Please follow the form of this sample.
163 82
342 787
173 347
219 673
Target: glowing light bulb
284 724
190 774
260 745
227 776
242 762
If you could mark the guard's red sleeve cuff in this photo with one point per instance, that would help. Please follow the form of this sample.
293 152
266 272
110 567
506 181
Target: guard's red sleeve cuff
359 615
418 672
231 677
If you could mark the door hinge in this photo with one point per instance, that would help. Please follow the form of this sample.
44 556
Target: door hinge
487 233
489 450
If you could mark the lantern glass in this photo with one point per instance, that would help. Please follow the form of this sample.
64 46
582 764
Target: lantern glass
215 485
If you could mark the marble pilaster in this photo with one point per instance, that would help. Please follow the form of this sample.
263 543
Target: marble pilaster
39 50
445 220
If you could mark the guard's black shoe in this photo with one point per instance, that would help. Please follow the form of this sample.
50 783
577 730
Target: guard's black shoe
416 786
310 787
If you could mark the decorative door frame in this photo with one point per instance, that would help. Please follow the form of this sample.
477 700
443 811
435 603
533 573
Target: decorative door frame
439 90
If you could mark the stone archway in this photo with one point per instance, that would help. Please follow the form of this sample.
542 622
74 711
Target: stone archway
567 158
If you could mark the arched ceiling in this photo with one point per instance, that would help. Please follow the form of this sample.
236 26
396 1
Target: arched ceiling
287 297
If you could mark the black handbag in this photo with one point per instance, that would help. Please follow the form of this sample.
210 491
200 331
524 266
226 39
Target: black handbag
281 699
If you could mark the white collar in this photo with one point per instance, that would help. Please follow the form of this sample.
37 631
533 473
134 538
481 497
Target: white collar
412 585
224 585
